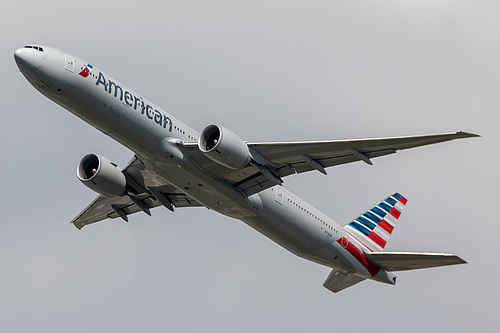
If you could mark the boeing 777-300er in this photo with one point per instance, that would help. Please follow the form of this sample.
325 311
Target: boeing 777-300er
174 166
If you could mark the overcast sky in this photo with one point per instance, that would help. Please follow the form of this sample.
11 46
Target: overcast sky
269 71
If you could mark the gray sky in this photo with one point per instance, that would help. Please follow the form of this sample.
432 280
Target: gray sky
270 71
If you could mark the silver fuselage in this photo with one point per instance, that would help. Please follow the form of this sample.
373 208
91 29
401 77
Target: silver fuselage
152 133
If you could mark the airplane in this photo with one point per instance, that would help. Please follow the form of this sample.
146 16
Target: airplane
174 166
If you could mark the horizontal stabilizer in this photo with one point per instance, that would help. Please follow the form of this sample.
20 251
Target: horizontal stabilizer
402 261
338 280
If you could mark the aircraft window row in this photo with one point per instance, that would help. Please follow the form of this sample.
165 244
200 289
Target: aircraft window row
179 130
184 133
312 215
38 48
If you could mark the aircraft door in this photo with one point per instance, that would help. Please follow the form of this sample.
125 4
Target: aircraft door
69 63
279 195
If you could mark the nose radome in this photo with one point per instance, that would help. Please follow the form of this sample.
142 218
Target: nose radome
21 56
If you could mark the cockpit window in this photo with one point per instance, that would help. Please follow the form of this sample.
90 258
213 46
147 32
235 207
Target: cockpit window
38 48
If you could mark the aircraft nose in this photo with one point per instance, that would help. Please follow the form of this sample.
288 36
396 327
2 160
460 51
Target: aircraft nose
29 60
21 57
29 57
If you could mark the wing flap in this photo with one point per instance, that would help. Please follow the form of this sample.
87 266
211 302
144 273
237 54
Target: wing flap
102 208
402 261
339 280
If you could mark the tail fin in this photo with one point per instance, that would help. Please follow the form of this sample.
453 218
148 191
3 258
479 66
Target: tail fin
373 229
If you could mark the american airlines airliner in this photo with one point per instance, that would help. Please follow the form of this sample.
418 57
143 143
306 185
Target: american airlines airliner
174 166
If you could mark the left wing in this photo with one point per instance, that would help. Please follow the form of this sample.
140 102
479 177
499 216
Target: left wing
273 160
146 191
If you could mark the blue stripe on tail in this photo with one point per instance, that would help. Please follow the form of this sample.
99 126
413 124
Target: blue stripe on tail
378 221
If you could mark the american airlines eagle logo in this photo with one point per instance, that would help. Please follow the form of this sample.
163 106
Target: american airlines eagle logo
86 71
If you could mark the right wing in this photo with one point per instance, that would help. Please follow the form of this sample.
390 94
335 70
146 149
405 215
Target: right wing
147 191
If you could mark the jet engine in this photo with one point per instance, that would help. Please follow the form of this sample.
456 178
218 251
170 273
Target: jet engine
101 175
224 147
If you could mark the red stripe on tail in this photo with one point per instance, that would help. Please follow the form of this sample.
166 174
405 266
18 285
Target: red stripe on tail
394 212
377 239
356 253
386 226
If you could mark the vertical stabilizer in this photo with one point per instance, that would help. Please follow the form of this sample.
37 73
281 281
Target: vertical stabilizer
373 229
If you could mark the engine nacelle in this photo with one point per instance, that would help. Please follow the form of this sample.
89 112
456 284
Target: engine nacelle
224 147
101 175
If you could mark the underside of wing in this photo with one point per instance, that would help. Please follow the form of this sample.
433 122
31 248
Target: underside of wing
271 161
402 261
145 191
